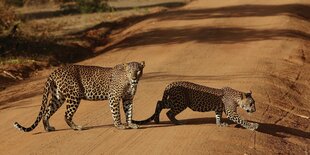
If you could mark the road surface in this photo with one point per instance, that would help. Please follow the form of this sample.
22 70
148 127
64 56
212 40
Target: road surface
262 46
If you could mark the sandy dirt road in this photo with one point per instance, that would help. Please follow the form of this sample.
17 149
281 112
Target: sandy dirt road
261 46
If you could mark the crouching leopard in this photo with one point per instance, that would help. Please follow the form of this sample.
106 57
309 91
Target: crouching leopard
180 95
72 83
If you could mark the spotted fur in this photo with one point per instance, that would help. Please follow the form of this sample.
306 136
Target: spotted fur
73 83
180 95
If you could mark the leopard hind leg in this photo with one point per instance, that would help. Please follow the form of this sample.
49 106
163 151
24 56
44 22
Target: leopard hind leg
159 108
173 112
54 104
73 104
177 103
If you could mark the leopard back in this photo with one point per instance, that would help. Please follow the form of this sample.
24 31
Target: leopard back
196 97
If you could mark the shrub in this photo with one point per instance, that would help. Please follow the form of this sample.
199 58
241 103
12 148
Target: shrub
89 6
18 3
7 18
8 27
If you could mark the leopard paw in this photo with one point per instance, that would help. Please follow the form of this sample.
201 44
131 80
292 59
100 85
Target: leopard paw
253 126
133 126
50 128
120 126
224 124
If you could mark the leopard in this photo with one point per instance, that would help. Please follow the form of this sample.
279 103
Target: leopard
72 83
180 95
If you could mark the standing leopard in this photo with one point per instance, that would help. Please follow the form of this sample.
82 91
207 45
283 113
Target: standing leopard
180 95
72 83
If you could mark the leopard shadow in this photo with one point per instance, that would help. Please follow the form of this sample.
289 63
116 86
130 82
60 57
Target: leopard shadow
191 121
85 128
266 128
281 131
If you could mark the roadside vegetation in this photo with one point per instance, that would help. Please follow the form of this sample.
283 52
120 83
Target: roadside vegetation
37 34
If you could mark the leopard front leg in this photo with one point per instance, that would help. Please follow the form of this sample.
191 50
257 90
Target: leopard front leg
127 106
232 115
114 101
218 117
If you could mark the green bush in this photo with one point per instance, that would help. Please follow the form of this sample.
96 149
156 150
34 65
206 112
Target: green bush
18 3
89 6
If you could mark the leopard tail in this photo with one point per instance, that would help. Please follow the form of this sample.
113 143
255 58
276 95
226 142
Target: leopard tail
42 109
144 121
158 109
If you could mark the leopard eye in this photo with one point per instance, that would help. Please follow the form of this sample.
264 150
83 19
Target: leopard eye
251 102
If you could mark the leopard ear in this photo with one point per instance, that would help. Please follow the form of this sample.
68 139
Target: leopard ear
248 94
126 66
142 63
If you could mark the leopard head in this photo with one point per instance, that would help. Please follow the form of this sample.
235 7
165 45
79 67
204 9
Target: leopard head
134 71
246 102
